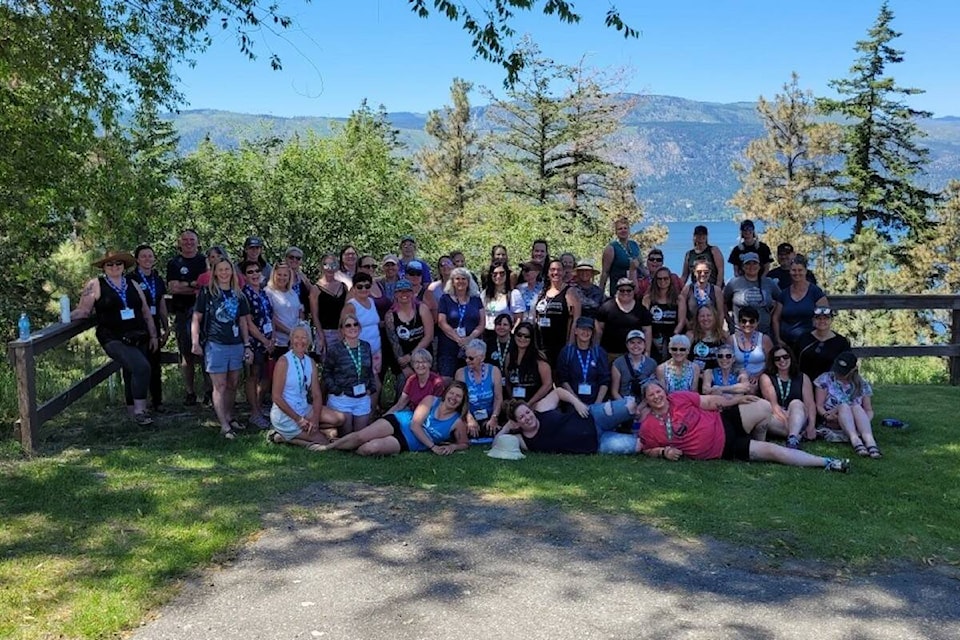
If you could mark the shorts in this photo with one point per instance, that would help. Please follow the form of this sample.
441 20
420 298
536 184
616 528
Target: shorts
222 358
181 329
736 445
352 406
397 434
284 424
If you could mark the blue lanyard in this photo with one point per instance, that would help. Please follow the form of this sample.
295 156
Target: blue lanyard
585 363
121 290
151 285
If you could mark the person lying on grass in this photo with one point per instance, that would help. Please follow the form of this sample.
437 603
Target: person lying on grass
294 419
684 423
544 427
435 421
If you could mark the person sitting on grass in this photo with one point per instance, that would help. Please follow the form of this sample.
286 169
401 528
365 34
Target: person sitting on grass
294 418
790 393
435 421
716 427
546 428
843 399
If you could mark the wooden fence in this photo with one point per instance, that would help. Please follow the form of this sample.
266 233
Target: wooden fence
22 354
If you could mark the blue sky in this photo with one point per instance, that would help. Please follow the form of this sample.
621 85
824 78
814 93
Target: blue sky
342 51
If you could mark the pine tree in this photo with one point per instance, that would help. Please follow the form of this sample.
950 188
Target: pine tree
784 174
882 156
450 166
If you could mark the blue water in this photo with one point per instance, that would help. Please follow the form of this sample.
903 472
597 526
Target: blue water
724 235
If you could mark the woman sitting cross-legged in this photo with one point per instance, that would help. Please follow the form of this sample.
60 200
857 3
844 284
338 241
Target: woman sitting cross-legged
544 427
790 393
727 378
711 427
294 418
436 420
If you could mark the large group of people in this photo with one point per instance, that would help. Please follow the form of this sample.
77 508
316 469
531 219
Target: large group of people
642 360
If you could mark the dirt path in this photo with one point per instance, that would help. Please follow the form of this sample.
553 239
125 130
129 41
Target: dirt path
354 562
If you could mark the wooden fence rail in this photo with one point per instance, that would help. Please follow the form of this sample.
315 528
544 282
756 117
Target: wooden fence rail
22 354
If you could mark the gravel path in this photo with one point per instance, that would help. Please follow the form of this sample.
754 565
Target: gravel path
354 562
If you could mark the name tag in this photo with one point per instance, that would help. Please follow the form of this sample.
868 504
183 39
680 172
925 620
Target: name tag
461 332
153 310
359 389
267 327
584 390
519 392
543 322
480 414
126 314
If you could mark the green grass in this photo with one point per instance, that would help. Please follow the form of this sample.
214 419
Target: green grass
96 531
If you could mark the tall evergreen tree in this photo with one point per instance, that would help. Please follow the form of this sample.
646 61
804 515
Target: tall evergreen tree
883 159
450 166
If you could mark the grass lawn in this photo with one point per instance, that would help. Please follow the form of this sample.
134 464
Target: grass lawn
96 531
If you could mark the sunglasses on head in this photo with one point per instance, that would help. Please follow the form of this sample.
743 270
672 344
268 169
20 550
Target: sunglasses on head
822 311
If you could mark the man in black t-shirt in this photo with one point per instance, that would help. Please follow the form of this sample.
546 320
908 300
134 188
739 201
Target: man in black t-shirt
750 243
182 273
781 274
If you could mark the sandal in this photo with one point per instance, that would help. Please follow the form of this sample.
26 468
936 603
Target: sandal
143 419
874 452
861 450
235 425
274 438
229 434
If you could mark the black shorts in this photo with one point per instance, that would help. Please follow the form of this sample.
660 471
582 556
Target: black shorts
736 445
397 434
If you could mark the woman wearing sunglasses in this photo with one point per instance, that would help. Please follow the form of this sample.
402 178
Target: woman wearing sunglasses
349 376
699 294
678 373
484 391
287 309
819 348
529 376
790 393
331 297
362 306
260 328
750 346
706 336
125 328
662 301
727 378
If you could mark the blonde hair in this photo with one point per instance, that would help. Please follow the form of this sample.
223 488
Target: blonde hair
273 276
214 289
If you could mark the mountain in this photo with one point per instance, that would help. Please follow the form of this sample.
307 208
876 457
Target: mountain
678 150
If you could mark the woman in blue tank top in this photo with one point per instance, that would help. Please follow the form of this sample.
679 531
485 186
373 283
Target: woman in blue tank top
434 421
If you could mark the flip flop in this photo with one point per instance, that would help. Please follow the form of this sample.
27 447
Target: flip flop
235 425
229 434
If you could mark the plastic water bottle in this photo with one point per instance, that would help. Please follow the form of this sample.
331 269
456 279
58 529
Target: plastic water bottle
65 309
635 427
23 326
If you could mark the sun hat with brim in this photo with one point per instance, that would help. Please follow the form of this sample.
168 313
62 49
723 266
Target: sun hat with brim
506 447
585 265
112 256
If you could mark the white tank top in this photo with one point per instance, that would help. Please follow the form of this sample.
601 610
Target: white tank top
297 382
369 324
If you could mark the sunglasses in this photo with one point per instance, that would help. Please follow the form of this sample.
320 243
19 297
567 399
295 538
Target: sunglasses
350 325
250 272
625 290
655 259
499 274
524 336
113 263
365 285
470 358
702 273
374 266
330 266
724 356
822 312
782 357
677 349
748 321
663 279
294 257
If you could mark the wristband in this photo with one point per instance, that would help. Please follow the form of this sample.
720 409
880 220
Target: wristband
663 452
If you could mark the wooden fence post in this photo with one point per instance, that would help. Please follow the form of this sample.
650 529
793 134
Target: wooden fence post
25 368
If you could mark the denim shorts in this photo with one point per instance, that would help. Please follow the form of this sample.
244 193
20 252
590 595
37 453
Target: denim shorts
353 406
221 358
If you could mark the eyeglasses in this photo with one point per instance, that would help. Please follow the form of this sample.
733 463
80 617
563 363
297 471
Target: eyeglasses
365 285
330 266
678 349
113 263
724 356
702 273
250 272
350 325
292 257
522 336
748 321
782 357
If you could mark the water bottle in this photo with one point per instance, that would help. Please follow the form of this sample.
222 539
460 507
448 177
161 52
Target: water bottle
23 326
65 309
635 427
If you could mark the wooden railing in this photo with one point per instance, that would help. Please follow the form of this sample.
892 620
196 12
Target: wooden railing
22 354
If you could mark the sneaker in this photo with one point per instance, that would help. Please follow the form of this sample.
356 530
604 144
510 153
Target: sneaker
793 442
190 400
837 464
260 422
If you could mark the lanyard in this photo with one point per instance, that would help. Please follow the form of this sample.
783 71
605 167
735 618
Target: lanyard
303 372
667 423
150 283
121 290
357 360
585 363
784 394
462 310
